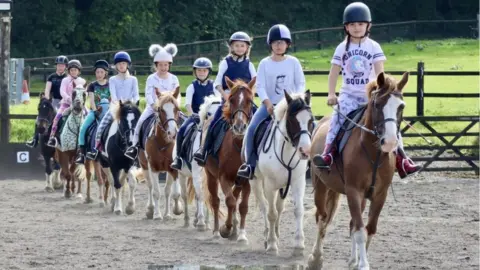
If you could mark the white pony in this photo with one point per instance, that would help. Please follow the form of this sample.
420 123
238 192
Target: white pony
207 110
282 162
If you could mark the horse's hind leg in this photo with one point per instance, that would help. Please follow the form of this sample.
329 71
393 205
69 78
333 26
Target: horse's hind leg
177 193
272 240
376 206
132 184
243 210
257 186
298 193
48 174
358 233
88 168
214 202
183 182
168 192
231 202
326 202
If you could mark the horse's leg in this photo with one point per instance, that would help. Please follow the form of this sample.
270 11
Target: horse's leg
183 182
236 194
364 204
231 203
168 192
157 215
298 192
176 194
132 184
376 206
271 194
199 198
358 234
117 186
48 174
100 181
257 186
66 175
76 180
326 202
212 185
88 167
149 211
108 177
243 210
280 205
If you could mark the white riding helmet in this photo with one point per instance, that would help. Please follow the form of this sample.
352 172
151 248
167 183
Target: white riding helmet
163 54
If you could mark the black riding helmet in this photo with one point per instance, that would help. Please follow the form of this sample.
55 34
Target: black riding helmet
101 64
356 12
61 59
202 62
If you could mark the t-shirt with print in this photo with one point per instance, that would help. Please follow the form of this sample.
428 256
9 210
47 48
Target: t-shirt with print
168 84
56 81
357 65
99 91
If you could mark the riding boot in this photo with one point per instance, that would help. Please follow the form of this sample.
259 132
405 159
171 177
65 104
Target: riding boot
177 164
405 166
81 155
132 152
92 155
325 160
245 171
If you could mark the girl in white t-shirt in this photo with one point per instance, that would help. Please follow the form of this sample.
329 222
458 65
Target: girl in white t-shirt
359 59
162 80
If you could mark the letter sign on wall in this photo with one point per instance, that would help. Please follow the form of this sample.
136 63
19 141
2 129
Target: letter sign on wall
23 157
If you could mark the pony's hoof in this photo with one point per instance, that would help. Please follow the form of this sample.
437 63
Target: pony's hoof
201 226
297 251
130 210
233 235
88 200
58 185
315 262
118 212
272 250
353 264
157 217
102 204
195 222
216 235
225 232
186 224
242 240
149 212
79 196
49 189
168 217
177 211
68 194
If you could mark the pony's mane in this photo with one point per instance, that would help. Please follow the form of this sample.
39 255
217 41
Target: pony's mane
298 99
207 103
115 108
236 86
165 98
390 85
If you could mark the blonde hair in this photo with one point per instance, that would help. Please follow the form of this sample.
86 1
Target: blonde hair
231 52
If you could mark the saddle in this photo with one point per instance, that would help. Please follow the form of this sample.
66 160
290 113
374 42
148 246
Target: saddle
90 136
261 133
145 130
186 145
60 126
346 129
218 132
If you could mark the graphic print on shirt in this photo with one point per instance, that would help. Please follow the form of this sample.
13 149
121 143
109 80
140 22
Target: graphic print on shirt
280 84
356 64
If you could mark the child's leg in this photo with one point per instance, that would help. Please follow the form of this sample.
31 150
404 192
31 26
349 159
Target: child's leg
247 169
86 124
56 119
201 155
405 166
106 120
177 163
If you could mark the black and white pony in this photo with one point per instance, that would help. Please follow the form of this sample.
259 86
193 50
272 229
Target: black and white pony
46 114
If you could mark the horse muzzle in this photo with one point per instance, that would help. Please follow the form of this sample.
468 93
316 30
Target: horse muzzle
388 145
239 129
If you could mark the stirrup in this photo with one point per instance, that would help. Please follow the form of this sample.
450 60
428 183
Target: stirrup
200 158
132 152
80 159
177 164
245 171
55 142
92 155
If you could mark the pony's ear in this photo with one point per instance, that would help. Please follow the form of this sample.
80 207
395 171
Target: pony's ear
251 84
176 92
308 96
229 82
381 80
120 102
401 84
158 92
287 97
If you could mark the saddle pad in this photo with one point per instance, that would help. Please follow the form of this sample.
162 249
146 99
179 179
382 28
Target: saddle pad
347 127
145 130
218 132
104 136
186 145
60 127
90 136
261 134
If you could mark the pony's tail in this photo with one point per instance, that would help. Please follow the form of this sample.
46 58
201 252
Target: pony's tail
81 171
139 175
190 190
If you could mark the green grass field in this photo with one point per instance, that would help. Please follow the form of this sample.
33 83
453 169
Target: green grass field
438 55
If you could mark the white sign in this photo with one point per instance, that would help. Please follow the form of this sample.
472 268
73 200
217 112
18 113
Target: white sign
23 157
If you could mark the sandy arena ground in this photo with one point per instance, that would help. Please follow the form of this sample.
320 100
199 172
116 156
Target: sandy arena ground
433 225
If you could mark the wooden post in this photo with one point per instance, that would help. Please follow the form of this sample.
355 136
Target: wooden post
5 28
420 88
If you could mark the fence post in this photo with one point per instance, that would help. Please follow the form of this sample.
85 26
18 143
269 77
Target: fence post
5 27
420 88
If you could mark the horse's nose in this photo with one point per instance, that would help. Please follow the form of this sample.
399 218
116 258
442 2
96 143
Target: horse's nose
306 151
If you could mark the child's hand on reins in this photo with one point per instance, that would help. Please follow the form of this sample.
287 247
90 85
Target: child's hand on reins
332 100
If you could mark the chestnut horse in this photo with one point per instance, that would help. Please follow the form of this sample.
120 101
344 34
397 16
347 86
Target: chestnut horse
363 171
157 156
66 151
237 113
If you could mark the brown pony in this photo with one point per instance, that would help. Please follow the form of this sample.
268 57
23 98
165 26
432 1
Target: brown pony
237 112
157 156
363 171
85 172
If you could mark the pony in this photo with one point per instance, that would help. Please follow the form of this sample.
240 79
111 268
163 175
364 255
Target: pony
156 156
363 171
237 113
207 110
282 162
115 164
66 150
46 114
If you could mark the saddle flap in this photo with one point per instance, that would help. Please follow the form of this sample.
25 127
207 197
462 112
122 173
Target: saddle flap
90 136
145 130
218 132
186 151
261 133
347 127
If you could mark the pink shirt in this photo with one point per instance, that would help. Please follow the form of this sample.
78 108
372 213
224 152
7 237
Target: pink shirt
66 88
